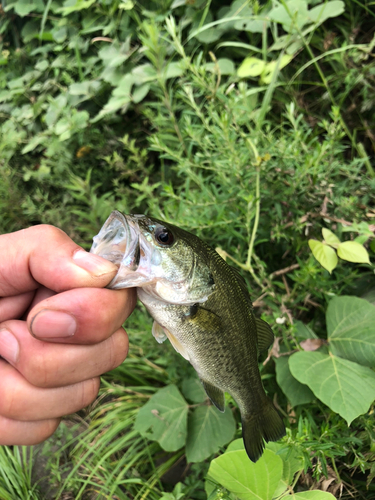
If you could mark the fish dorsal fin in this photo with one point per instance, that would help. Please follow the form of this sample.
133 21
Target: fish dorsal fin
215 394
265 334
158 332
177 344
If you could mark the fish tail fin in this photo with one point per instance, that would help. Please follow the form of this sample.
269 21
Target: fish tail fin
260 426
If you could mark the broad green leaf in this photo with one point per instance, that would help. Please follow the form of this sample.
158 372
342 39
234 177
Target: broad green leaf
113 55
208 430
323 11
24 7
330 238
324 254
250 22
346 387
59 33
164 419
33 143
62 126
370 296
311 495
226 66
144 73
297 393
68 8
353 251
291 464
251 66
247 480
235 445
139 93
79 88
361 239
173 70
292 16
121 97
126 5
351 329
193 390
303 331
270 67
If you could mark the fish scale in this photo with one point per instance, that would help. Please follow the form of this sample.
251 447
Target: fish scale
202 306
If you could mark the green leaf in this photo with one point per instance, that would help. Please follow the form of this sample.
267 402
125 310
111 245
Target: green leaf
351 329
324 11
346 387
208 430
164 418
297 393
251 66
140 92
173 70
126 5
247 480
303 331
193 390
114 55
324 254
226 66
291 464
353 252
121 97
235 445
25 7
311 495
144 73
68 7
34 142
330 238
270 68
292 16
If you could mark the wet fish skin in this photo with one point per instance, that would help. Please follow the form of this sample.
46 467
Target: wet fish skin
210 322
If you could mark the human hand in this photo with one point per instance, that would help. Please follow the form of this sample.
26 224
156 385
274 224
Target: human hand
59 330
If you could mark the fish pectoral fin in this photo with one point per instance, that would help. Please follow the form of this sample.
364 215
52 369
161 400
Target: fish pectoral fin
177 344
215 394
158 332
265 334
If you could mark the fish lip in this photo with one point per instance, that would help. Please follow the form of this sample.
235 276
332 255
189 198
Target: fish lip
121 241
113 238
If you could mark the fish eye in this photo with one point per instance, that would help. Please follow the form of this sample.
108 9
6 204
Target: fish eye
164 236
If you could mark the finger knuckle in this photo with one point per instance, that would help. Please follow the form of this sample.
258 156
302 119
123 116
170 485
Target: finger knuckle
89 391
38 370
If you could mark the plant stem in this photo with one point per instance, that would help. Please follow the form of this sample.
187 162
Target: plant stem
257 205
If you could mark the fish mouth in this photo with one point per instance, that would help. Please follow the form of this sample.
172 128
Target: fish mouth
127 241
119 242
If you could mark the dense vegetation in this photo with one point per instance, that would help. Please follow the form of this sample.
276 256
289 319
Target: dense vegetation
251 125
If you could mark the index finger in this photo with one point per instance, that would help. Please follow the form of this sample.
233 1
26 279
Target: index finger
46 255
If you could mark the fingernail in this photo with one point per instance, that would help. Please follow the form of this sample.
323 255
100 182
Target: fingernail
9 347
95 264
49 324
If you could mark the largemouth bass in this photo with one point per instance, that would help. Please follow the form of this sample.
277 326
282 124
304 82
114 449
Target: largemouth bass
201 304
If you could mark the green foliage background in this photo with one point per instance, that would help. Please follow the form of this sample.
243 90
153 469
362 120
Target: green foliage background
251 125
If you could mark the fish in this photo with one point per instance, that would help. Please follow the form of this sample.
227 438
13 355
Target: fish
202 305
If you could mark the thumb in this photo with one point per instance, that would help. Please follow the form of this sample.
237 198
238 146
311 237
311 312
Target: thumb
46 255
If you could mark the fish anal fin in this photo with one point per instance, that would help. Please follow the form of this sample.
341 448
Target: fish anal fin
215 394
158 332
265 334
177 344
